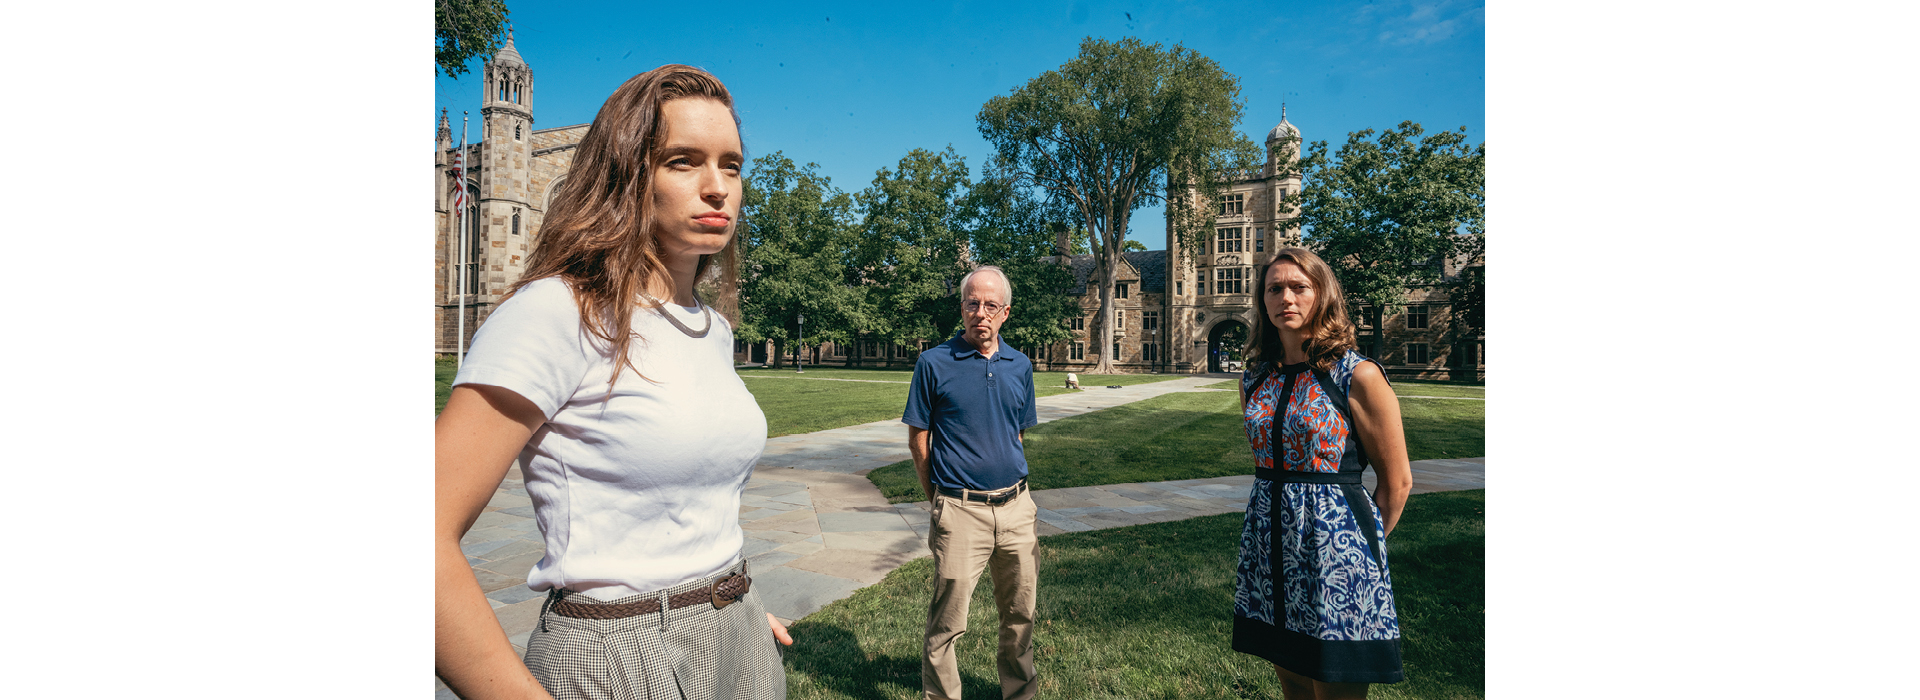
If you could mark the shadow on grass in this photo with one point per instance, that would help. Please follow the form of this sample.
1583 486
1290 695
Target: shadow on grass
832 664
1146 612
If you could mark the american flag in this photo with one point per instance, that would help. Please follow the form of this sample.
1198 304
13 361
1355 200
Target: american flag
459 176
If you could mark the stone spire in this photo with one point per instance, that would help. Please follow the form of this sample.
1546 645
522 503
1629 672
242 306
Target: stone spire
508 55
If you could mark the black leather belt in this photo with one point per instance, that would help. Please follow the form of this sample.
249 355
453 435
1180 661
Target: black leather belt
1293 477
992 498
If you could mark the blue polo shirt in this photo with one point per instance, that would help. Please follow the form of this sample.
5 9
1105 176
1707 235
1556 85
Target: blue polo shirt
975 407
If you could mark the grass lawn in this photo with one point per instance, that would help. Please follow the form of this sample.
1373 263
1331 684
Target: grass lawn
1052 383
443 370
1146 612
1410 388
803 406
1186 436
877 375
801 403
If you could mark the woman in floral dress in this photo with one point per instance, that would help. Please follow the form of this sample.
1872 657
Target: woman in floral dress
1314 596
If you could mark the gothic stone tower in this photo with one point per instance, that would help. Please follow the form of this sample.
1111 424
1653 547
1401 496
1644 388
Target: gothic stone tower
498 181
1212 291
506 115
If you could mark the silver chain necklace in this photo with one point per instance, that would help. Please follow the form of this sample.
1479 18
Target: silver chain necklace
660 307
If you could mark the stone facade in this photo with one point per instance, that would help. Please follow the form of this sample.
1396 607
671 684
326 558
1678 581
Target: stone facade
1173 306
509 178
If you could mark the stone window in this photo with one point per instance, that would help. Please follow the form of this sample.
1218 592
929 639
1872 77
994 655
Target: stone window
1077 352
1417 316
1229 240
1231 204
1149 320
1179 288
1119 321
1149 352
873 348
1120 290
474 242
1416 353
1079 323
1230 280
1116 350
516 132
516 221
1259 240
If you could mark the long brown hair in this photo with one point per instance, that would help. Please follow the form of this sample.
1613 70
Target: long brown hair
1329 333
598 234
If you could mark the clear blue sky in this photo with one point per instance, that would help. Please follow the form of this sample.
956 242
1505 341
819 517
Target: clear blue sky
855 86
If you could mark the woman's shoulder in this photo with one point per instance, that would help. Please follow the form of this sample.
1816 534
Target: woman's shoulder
543 292
1253 373
1351 363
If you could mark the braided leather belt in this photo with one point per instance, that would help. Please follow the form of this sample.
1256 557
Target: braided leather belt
721 592
992 498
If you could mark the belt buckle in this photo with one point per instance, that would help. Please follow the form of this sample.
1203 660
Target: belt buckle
714 592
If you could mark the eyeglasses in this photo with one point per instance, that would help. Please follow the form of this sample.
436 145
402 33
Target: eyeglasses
990 307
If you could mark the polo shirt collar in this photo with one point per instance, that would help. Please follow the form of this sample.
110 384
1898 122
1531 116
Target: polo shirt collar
961 348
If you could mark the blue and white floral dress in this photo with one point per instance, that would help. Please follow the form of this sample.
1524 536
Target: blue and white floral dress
1313 593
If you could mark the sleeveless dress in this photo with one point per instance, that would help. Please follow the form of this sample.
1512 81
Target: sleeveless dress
1313 594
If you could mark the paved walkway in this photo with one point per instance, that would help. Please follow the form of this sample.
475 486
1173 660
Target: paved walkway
817 530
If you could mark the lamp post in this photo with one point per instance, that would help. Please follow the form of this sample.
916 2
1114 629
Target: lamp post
1153 339
799 354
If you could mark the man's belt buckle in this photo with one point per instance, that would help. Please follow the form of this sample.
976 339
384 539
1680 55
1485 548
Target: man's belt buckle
719 602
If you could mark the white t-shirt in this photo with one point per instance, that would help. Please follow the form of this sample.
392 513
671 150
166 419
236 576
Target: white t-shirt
635 492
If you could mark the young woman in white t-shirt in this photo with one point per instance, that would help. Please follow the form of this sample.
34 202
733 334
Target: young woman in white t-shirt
614 385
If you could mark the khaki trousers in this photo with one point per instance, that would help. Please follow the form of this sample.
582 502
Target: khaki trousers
966 537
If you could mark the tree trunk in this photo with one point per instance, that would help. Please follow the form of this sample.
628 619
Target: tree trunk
1105 366
777 358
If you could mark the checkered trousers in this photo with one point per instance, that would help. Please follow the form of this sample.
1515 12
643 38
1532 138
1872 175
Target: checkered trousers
696 653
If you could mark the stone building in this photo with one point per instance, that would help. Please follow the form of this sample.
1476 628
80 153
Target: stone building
1176 311
510 175
1199 324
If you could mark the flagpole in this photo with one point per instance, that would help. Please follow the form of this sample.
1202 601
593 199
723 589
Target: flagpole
460 357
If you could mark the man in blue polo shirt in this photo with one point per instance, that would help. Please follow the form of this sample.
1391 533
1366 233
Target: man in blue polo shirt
971 400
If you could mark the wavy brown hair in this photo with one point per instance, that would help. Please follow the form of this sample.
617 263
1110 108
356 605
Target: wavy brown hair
598 233
1329 332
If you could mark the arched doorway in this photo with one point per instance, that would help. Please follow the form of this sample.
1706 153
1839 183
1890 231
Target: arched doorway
1225 343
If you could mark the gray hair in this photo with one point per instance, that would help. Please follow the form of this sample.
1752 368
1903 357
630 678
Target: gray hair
1004 281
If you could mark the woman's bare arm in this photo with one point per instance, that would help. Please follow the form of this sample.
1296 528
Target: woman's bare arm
474 441
1377 411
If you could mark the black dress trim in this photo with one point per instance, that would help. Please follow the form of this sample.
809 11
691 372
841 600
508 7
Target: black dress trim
1324 660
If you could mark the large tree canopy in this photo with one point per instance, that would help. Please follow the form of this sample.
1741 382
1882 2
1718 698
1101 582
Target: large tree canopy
913 247
463 29
1387 213
1009 228
1105 133
796 237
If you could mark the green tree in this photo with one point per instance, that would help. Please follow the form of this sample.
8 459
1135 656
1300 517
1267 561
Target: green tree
1008 227
795 236
1386 213
912 250
1109 130
1131 244
463 29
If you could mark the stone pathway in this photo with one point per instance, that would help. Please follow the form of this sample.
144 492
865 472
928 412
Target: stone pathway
817 530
